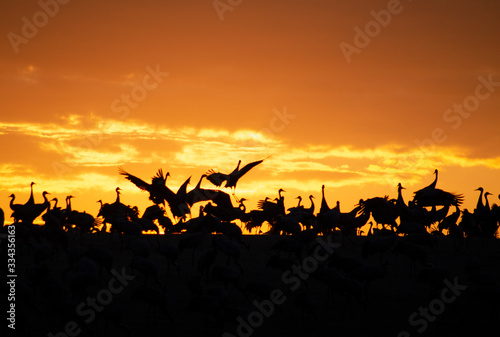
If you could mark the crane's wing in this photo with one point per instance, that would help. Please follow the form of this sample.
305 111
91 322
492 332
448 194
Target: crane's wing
216 178
144 186
248 167
266 204
197 195
439 197
165 193
182 191
220 198
159 178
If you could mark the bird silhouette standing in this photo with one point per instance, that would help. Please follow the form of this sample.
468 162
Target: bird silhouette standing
432 196
31 200
33 211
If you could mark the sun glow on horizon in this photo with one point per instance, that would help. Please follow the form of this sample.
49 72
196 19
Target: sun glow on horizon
368 170
404 105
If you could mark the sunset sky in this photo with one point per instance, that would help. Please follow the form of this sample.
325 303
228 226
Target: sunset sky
356 95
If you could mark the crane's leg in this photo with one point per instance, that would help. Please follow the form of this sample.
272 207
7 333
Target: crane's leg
234 195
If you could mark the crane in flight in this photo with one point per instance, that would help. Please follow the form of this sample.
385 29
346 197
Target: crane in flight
231 179
159 192
156 189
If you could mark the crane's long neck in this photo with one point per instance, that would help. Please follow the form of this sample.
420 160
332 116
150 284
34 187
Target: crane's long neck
324 204
400 195
32 198
435 179
480 200
12 200
68 203
445 209
487 203
312 203
55 205
199 182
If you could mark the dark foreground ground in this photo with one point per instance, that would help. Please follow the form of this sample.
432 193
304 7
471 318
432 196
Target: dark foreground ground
456 293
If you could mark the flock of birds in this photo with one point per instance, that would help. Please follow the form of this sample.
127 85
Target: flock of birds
428 212
213 272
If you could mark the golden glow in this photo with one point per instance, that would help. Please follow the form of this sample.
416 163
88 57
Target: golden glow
236 90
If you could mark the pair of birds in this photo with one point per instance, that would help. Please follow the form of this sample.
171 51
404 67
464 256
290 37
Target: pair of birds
28 212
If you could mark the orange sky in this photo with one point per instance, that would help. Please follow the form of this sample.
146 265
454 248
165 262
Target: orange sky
270 79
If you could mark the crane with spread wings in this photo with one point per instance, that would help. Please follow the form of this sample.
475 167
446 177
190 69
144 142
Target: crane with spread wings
180 203
159 192
231 179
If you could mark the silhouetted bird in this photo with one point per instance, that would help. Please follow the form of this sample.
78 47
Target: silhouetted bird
199 194
409 212
31 200
232 178
306 215
450 221
17 209
486 202
328 219
347 221
156 189
432 196
159 192
480 206
469 224
383 210
268 211
33 211
486 218
324 205
27 212
297 208
277 205
431 187
82 221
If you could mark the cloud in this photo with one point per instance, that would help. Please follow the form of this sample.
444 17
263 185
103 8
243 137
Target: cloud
94 142
81 154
